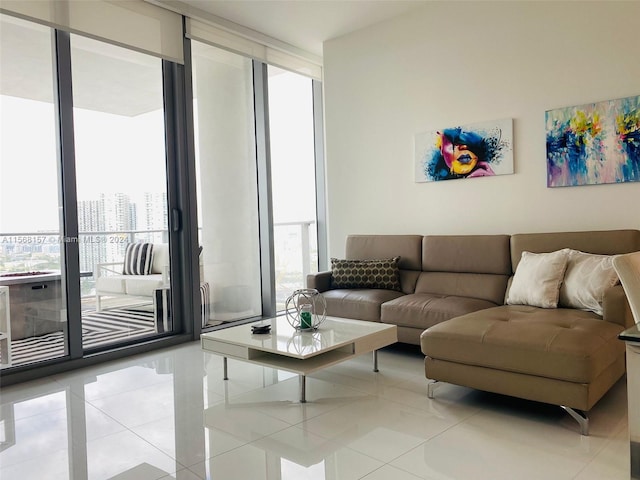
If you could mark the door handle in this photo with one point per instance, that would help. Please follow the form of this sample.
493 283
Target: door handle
175 220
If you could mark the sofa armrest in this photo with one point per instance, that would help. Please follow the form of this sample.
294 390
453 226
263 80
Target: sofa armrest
615 307
321 281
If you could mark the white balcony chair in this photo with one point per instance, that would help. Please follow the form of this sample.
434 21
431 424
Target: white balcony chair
111 281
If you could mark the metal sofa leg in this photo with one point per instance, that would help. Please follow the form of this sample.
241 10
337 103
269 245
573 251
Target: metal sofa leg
580 417
431 387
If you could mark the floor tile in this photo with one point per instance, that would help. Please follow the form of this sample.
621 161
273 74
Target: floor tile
362 427
33 398
51 466
387 472
139 406
128 456
282 400
189 441
497 443
266 461
612 462
185 474
105 382
34 436
241 422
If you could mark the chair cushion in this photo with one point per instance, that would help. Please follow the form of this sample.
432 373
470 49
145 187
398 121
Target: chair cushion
160 257
564 344
142 285
110 284
423 310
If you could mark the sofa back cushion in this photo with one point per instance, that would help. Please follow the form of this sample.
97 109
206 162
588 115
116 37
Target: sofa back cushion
407 247
484 286
476 266
610 242
466 254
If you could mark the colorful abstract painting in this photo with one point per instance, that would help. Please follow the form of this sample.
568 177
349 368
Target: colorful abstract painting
594 143
468 151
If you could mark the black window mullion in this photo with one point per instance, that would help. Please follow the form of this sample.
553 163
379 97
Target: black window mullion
188 185
68 199
265 200
321 211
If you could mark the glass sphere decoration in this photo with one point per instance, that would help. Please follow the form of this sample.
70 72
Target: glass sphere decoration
306 309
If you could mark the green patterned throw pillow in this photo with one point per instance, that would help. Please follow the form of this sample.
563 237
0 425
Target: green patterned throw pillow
366 274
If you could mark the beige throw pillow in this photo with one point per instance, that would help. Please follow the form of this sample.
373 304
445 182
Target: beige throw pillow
586 279
538 278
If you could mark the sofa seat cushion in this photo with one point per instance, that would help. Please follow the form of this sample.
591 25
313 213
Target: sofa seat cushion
359 304
142 285
423 310
564 344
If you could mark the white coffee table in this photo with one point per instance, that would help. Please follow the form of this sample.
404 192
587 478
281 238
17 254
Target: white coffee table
301 352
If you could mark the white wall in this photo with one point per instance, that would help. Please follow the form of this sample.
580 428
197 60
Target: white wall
454 63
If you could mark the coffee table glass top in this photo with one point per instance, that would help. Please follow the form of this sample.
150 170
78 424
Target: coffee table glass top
285 340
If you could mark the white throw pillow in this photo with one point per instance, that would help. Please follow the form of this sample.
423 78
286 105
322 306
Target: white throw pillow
538 278
586 279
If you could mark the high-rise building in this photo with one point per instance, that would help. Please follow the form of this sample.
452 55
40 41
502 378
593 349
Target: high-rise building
92 249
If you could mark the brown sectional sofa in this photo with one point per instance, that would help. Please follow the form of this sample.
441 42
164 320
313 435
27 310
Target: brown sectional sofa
452 304
442 277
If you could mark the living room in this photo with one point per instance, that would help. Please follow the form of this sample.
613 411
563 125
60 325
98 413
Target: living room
439 64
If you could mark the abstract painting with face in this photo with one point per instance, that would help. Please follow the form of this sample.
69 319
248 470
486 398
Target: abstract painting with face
469 151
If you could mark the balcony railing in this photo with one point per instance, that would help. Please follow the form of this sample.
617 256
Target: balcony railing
296 255
295 250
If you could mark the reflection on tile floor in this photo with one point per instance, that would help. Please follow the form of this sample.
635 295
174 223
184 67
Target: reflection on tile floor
169 415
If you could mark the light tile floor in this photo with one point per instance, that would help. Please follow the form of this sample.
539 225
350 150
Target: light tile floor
168 414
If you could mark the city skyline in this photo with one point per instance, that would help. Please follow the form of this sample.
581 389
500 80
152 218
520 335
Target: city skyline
114 214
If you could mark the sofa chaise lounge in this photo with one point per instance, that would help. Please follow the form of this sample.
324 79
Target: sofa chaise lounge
452 301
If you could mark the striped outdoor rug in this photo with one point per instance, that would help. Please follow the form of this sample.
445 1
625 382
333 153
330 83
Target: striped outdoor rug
98 328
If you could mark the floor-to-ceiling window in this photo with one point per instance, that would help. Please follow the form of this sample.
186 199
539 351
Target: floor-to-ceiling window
230 108
228 226
32 293
293 163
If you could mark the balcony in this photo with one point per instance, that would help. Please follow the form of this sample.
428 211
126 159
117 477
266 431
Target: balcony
34 259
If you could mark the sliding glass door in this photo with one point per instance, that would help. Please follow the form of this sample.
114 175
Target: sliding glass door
33 320
121 187
228 228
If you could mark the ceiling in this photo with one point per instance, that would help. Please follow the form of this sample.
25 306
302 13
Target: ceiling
305 24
